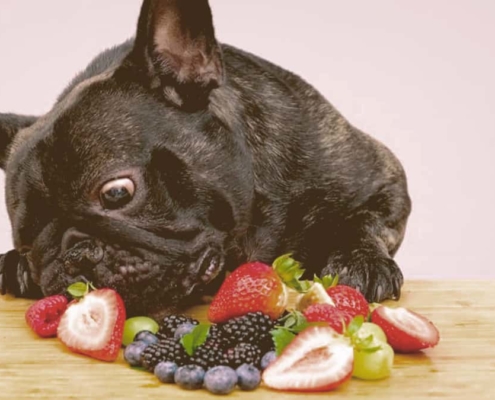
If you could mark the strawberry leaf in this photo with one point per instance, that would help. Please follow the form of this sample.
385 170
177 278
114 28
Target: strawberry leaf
78 290
355 325
290 272
369 349
294 321
281 338
195 338
327 281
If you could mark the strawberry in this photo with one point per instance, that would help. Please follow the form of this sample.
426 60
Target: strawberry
318 359
336 319
256 287
349 300
44 316
406 331
251 287
93 325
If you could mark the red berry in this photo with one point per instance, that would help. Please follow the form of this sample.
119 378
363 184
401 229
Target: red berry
250 288
94 325
335 318
44 316
318 359
349 300
406 331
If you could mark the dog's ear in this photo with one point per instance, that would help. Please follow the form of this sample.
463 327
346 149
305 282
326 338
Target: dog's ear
10 124
175 52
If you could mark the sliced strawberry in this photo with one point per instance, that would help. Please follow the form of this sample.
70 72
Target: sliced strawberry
44 316
250 288
93 325
335 318
318 359
349 300
406 331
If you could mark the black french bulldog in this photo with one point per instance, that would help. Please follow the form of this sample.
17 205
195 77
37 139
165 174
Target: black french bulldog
173 158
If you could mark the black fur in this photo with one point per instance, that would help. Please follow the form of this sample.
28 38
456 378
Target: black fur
232 157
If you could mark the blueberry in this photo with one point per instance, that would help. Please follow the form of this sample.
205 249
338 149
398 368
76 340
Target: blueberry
165 371
146 337
248 377
189 377
132 353
267 359
183 329
220 380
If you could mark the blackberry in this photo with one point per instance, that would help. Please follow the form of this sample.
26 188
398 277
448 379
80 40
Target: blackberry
253 328
243 353
169 325
211 353
164 350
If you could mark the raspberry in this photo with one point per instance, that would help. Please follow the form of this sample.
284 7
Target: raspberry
44 316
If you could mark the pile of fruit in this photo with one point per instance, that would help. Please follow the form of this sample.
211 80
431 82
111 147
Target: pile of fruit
255 335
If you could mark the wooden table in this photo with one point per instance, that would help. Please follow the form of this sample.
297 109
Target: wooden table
461 366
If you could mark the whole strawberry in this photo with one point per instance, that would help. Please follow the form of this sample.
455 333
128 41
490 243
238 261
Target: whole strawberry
93 325
349 300
336 319
44 316
254 287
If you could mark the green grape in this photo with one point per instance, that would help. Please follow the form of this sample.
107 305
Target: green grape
369 328
373 365
135 325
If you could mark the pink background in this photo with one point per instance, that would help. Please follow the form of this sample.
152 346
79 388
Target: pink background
417 75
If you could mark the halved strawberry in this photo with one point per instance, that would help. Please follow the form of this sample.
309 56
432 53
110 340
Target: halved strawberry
406 331
44 315
318 359
93 325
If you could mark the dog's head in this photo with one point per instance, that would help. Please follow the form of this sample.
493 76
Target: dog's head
136 179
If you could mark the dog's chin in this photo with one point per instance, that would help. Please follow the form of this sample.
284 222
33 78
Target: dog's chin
147 286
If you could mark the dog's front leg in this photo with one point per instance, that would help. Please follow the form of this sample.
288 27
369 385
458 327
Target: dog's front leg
15 276
365 242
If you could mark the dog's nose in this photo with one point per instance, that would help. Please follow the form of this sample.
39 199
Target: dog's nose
72 237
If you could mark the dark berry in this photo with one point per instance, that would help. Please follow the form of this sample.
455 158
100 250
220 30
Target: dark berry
164 350
243 353
248 377
267 359
165 371
251 328
189 377
183 329
146 337
220 380
211 353
133 352
169 325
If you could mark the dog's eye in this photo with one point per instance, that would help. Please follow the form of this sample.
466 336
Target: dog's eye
117 193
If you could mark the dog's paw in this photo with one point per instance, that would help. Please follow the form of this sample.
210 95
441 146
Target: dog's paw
377 277
15 278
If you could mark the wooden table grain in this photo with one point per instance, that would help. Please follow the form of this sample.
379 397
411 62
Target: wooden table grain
462 366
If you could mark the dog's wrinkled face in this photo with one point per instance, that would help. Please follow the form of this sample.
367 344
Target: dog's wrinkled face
122 187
